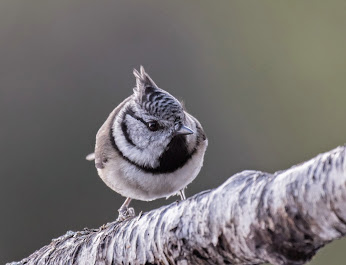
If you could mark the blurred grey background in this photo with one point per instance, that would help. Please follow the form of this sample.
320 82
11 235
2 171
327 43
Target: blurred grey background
267 79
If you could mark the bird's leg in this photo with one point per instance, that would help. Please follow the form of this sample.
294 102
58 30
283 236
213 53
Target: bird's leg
182 194
124 211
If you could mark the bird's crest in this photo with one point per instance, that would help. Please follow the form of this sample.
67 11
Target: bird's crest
143 82
153 99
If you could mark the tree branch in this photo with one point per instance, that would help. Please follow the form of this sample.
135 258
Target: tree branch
254 217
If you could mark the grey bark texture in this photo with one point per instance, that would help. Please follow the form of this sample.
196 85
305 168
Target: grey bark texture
253 218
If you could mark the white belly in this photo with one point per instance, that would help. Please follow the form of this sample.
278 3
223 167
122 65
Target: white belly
127 180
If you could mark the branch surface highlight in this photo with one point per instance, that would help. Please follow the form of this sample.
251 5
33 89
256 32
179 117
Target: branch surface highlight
253 218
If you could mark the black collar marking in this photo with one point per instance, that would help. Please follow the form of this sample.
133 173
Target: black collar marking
175 156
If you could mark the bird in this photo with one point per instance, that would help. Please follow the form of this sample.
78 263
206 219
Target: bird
149 147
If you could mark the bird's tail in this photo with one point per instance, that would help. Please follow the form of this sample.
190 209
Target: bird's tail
90 157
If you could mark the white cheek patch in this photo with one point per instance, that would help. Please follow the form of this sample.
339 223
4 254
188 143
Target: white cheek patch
137 131
148 146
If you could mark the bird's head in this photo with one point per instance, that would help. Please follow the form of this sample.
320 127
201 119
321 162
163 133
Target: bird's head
152 120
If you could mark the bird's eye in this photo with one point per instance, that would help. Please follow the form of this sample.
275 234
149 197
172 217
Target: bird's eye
153 126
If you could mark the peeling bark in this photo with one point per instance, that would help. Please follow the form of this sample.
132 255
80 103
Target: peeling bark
253 218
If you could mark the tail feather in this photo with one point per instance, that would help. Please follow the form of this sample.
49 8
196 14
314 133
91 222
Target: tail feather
90 157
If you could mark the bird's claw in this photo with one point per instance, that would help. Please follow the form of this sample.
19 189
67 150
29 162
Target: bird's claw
126 213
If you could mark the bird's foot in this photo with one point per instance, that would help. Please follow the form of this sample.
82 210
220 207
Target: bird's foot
125 213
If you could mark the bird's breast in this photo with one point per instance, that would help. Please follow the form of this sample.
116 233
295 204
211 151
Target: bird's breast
130 181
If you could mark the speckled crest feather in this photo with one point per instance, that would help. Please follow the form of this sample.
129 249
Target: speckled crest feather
155 100
143 81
